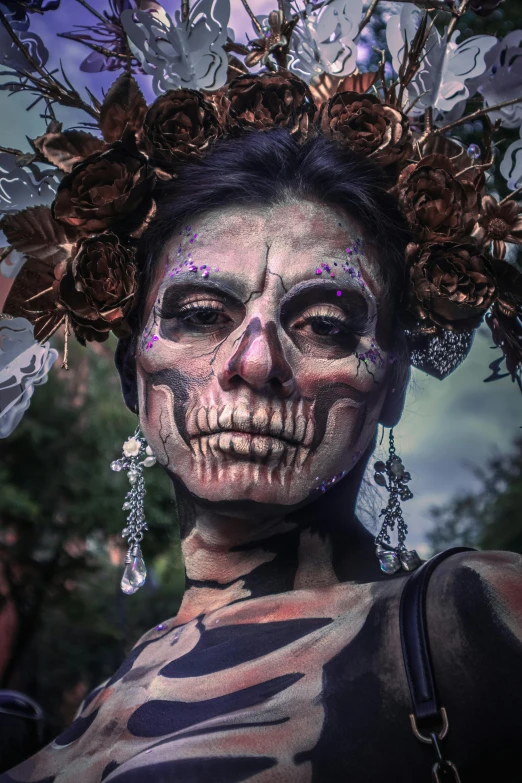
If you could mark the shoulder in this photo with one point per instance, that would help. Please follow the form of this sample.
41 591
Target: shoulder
475 586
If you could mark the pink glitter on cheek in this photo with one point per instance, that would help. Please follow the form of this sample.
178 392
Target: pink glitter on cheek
152 341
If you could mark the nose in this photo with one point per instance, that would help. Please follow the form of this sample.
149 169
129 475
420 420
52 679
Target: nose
259 361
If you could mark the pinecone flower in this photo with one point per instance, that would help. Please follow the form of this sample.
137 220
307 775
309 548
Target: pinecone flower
499 223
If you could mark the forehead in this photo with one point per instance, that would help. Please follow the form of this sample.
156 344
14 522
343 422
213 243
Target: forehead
290 238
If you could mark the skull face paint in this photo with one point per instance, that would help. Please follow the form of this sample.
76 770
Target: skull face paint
251 385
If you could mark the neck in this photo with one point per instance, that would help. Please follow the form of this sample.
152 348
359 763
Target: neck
230 557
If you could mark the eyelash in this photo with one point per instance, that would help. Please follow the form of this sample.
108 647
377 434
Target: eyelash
190 309
355 325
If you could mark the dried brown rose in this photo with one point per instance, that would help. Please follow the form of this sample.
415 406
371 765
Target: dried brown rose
109 190
450 284
366 125
180 124
97 286
498 223
437 205
263 100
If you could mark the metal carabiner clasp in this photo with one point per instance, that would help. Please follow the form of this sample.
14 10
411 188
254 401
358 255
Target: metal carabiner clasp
427 739
438 767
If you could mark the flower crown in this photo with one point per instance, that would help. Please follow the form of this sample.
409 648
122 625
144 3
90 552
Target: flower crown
80 251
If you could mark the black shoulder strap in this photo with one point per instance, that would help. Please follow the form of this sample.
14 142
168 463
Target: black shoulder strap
415 642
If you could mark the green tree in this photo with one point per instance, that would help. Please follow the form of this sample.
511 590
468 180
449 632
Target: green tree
489 518
61 549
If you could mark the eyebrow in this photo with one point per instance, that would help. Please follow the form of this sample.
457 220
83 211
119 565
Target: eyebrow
228 285
315 284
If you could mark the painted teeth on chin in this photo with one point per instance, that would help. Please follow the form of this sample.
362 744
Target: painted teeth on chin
241 417
288 431
240 444
301 456
201 420
276 423
309 434
204 446
289 456
213 442
260 419
300 428
225 441
225 418
213 419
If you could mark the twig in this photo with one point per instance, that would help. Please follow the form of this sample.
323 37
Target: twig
233 46
50 88
428 125
65 363
510 196
96 47
25 51
12 151
475 114
366 18
456 18
5 252
185 10
252 16
476 167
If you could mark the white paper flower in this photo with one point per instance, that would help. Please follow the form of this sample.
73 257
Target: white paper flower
181 54
22 187
323 39
12 264
511 165
131 447
24 364
448 74
505 80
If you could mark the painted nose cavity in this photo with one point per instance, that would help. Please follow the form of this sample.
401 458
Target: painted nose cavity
259 361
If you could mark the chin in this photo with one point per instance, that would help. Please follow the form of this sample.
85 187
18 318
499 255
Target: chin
231 467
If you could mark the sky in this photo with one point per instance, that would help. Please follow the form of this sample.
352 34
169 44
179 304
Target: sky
447 426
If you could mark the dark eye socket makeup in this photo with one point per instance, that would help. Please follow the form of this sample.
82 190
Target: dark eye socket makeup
320 313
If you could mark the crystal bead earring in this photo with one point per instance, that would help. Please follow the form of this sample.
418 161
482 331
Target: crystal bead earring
135 449
391 558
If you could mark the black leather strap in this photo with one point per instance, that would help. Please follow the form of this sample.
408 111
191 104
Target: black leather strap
415 642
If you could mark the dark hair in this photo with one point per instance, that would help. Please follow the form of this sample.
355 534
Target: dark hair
265 168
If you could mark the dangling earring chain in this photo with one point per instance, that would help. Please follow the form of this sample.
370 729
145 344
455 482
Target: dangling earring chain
392 558
134 448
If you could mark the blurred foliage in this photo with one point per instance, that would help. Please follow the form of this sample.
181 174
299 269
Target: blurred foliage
490 517
61 550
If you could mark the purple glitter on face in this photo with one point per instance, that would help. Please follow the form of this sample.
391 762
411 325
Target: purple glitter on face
326 483
318 271
161 627
339 293
152 341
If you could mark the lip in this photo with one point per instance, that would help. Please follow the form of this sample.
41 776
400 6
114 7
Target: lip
263 429
250 446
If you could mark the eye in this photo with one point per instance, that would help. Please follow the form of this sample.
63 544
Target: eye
200 317
203 315
327 330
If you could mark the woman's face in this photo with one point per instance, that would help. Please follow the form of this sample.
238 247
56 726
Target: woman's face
259 370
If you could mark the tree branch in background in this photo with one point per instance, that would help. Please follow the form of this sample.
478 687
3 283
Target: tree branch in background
252 16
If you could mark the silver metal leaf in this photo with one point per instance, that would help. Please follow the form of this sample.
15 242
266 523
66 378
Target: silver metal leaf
447 76
323 39
504 80
511 165
24 364
24 187
181 54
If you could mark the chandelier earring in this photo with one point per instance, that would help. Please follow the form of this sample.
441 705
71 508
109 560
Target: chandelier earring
394 477
137 455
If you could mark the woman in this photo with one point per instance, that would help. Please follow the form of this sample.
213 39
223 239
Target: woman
266 350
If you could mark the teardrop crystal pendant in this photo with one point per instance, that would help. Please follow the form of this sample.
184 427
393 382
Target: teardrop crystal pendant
135 572
388 560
